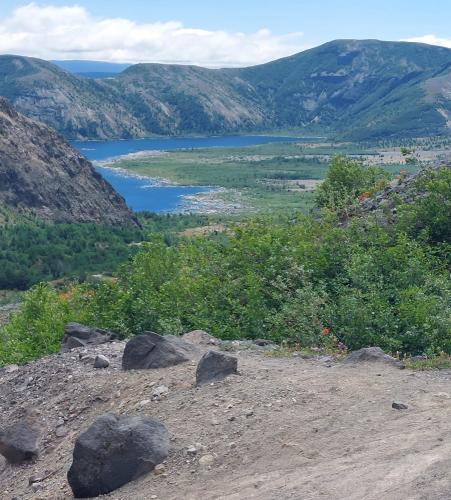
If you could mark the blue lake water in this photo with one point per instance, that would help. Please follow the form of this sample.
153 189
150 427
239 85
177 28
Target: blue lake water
142 194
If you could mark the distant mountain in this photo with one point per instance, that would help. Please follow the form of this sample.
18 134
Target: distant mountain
92 69
346 89
42 175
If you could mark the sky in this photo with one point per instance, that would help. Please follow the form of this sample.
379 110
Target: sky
209 33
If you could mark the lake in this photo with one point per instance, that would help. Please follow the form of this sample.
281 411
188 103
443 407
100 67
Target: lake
145 194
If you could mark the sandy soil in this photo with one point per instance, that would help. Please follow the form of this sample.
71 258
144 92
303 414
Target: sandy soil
285 428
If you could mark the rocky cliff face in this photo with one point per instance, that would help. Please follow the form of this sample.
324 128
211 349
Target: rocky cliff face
41 174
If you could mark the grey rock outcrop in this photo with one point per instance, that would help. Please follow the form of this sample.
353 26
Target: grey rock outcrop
76 335
42 175
114 451
151 350
372 355
215 366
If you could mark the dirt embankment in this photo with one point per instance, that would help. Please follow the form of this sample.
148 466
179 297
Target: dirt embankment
285 428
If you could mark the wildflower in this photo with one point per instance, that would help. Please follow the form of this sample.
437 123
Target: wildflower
326 330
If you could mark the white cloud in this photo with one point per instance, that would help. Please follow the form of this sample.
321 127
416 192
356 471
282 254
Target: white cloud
71 32
431 40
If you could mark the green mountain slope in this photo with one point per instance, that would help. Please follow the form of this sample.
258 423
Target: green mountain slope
346 88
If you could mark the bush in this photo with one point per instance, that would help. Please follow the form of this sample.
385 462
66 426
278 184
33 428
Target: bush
346 180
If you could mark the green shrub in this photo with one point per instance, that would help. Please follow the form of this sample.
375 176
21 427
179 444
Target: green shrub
345 181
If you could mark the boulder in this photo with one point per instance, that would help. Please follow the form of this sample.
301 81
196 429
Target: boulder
215 366
200 337
76 335
19 443
151 350
372 355
114 451
101 362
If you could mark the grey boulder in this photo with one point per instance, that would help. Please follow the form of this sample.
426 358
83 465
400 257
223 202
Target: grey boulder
114 451
215 366
372 355
101 362
76 335
151 350
19 443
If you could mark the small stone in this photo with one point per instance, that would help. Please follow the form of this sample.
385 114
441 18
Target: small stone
11 368
215 422
61 431
160 469
399 406
145 402
192 450
160 391
60 422
232 445
101 362
206 460
249 413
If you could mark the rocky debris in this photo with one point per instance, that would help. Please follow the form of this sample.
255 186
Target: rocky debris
263 342
43 175
243 345
11 368
399 406
200 337
114 451
101 361
372 355
76 335
404 190
215 366
151 350
19 443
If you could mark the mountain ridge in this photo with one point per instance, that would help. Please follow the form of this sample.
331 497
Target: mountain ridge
351 89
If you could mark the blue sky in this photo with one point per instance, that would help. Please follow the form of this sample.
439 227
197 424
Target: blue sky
231 29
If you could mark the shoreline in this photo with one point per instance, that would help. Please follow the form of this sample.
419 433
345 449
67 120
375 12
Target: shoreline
201 203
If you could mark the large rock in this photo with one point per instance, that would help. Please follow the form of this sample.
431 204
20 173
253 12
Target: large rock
372 355
151 350
76 335
215 366
19 443
114 451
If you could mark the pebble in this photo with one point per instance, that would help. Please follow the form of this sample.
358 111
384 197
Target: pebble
206 460
159 391
61 431
160 469
11 368
399 406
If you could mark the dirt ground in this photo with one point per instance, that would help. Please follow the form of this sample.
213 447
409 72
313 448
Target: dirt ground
285 428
